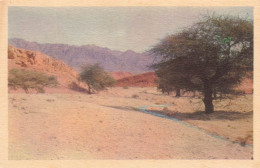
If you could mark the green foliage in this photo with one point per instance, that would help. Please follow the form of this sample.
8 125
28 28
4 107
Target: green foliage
96 77
213 54
26 79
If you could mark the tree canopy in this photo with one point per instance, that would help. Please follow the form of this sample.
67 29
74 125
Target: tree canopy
27 79
96 77
211 55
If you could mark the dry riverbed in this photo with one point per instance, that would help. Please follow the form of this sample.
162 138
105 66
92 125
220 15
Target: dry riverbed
108 125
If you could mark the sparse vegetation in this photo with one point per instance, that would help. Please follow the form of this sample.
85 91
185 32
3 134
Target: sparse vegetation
243 141
50 100
125 87
135 96
145 91
26 80
96 78
165 110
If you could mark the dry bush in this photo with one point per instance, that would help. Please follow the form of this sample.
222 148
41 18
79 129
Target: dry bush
166 110
135 96
145 91
26 80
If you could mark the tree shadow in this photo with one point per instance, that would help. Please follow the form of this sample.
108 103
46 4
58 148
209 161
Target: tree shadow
125 108
74 86
200 115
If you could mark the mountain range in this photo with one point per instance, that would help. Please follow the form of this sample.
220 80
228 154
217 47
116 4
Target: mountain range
76 56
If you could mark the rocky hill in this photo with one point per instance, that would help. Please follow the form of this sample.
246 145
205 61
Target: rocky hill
142 80
119 75
149 80
36 61
76 56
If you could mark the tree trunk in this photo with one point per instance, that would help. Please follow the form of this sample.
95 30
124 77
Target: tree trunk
26 90
178 92
209 108
215 93
89 89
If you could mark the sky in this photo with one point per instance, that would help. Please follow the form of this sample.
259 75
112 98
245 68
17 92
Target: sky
117 28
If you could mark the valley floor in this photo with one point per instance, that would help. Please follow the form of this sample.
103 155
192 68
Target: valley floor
108 125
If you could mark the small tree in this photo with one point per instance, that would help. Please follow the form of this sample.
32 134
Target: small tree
26 80
211 56
96 77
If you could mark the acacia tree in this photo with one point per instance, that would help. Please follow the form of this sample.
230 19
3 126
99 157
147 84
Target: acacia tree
27 79
96 77
212 55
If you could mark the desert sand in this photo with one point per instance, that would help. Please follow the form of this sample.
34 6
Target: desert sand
108 125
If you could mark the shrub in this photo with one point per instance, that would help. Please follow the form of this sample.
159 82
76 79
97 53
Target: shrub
125 87
26 79
135 96
166 110
96 77
144 91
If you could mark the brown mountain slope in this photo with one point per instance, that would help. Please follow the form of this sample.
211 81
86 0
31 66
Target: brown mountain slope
141 80
149 80
36 61
120 74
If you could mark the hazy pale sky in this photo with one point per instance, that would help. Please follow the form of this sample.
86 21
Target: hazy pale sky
118 28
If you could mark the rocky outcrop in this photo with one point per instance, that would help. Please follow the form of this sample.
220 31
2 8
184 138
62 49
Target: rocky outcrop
120 75
142 80
36 61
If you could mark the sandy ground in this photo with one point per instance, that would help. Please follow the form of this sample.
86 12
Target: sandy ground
108 125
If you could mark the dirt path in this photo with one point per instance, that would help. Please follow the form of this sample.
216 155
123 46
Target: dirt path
75 126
